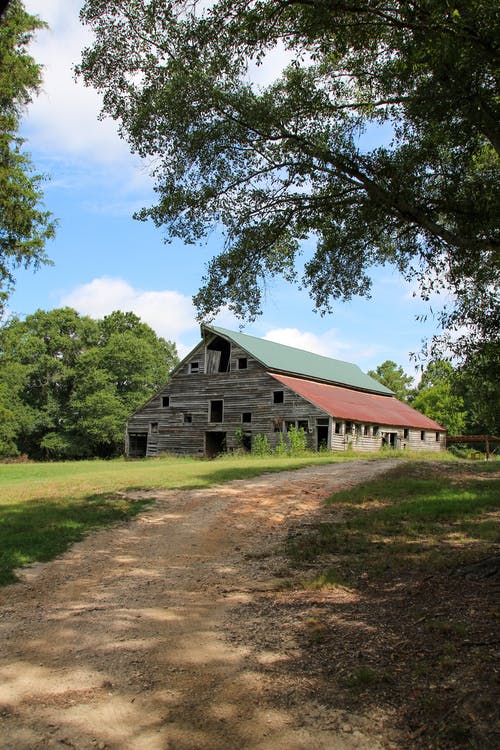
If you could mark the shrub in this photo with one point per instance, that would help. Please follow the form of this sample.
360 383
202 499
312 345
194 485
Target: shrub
297 440
281 449
261 445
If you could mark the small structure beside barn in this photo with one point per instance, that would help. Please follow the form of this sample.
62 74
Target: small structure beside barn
232 387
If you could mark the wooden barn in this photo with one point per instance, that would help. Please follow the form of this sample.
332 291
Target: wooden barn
232 387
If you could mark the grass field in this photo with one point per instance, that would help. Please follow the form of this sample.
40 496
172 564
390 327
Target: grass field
45 507
412 518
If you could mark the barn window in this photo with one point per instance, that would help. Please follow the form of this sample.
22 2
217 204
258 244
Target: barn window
422 434
278 424
376 430
218 355
303 424
194 367
216 411
337 428
188 418
437 437
366 430
246 416
242 363
348 428
165 401
154 428
278 397
406 433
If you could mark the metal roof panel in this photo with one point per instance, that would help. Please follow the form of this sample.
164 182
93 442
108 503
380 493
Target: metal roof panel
299 362
358 406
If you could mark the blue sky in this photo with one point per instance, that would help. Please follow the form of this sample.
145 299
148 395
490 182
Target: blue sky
104 260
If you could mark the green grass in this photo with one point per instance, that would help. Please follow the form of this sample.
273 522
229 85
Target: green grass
403 522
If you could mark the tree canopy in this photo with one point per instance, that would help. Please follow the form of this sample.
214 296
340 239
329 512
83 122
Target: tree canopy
68 383
278 163
394 377
25 226
437 397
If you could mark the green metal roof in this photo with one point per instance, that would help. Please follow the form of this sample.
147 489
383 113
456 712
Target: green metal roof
288 359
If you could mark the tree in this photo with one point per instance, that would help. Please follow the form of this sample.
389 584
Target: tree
477 382
68 383
393 376
436 397
277 164
25 226
3 6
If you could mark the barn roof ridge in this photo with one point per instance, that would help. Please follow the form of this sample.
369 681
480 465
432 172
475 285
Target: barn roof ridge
292 360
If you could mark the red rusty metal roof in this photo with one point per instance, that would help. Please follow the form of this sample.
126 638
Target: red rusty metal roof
358 406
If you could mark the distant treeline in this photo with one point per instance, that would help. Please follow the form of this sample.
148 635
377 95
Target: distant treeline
68 382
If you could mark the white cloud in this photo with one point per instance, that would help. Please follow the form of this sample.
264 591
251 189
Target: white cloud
63 119
169 313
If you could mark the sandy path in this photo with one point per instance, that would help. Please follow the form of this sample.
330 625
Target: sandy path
118 644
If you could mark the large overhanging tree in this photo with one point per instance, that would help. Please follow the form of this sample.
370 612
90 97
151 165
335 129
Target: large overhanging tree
25 226
276 164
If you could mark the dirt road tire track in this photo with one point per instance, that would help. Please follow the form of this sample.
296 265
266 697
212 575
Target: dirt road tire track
119 643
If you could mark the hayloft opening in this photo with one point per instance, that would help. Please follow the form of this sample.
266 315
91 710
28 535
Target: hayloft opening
218 355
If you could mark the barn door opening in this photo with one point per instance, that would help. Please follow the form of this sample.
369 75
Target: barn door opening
137 444
215 443
321 437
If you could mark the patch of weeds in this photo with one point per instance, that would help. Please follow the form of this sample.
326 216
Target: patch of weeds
457 733
332 578
316 629
447 628
364 677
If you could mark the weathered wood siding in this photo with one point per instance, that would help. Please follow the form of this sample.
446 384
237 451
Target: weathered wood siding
242 391
181 426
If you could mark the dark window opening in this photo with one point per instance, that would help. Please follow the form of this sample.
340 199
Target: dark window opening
218 355
278 424
406 433
154 427
188 418
242 363
246 416
366 430
338 426
278 397
422 435
303 424
194 367
216 411
376 430
348 428
437 437
165 401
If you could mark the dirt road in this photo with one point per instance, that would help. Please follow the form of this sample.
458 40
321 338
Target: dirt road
121 643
